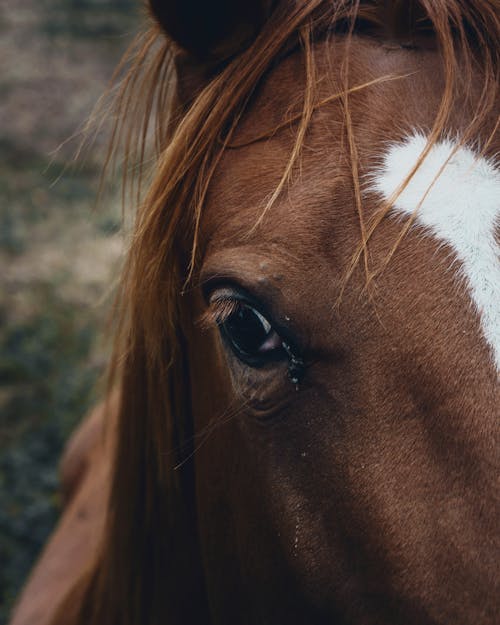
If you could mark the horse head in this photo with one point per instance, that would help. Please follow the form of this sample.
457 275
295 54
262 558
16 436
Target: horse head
311 331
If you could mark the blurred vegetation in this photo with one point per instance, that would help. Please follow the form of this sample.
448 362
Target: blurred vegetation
58 257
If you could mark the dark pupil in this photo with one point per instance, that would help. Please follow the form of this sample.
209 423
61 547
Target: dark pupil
245 330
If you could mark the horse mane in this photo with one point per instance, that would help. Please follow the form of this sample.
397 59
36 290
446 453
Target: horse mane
145 571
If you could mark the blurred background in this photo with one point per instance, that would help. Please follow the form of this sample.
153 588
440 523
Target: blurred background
59 253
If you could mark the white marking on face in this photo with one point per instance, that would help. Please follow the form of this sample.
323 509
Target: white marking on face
455 195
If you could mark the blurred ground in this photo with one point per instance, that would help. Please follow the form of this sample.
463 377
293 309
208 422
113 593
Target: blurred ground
58 257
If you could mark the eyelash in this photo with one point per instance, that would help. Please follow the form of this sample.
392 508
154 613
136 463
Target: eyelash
219 311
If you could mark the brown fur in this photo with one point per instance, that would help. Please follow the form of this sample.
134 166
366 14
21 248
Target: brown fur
366 496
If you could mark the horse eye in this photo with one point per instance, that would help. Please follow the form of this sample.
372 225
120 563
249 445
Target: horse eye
251 336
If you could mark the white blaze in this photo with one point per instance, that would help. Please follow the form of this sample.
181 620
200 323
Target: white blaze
461 207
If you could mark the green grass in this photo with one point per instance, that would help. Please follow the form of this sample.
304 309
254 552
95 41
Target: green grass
47 382
51 356
51 322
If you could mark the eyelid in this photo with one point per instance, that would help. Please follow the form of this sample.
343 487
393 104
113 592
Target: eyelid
215 290
221 308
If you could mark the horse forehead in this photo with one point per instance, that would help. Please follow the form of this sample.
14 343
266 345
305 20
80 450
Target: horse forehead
303 221
320 190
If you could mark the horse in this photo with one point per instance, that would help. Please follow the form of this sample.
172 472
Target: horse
305 420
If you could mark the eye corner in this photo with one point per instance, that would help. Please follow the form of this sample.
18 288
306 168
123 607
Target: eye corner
296 365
